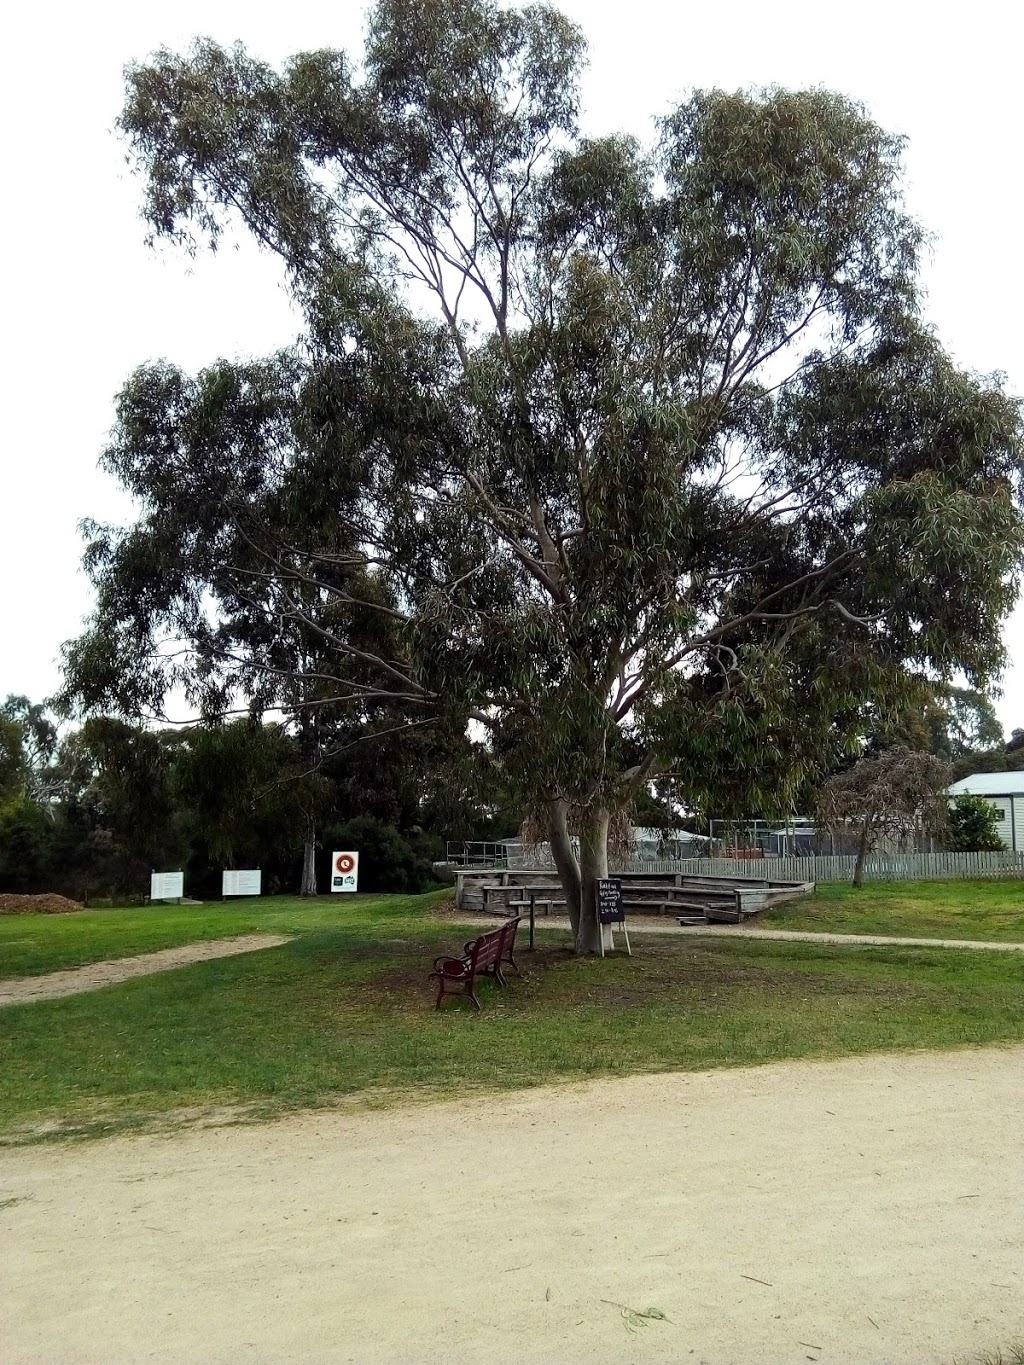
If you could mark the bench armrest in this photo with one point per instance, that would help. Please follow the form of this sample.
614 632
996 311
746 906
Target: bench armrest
450 966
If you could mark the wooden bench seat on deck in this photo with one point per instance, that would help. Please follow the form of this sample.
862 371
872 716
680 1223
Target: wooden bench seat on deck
660 906
535 901
546 891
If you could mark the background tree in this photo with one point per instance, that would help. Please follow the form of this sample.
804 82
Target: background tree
28 750
973 826
953 723
119 778
29 786
638 456
120 799
212 595
1006 757
886 797
243 796
970 724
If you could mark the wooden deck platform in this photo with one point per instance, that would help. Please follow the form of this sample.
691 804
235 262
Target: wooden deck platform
723 900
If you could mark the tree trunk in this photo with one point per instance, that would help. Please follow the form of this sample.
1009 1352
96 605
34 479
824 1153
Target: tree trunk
564 857
593 866
862 854
308 887
579 876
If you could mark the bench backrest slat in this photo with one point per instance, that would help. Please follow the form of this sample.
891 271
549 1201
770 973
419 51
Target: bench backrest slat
491 947
486 950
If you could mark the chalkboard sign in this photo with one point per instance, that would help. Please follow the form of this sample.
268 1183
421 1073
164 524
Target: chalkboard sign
610 909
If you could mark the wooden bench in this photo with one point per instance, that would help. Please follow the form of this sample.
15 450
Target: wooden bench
649 905
534 901
745 905
483 956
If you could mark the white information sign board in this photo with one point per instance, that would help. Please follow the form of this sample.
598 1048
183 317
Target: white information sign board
344 871
241 883
167 886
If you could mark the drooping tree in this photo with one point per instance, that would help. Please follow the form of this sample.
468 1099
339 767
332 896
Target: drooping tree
640 457
885 797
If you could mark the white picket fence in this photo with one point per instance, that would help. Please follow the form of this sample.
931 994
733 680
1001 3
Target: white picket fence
895 867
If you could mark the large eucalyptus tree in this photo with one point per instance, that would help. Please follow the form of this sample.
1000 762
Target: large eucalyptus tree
641 456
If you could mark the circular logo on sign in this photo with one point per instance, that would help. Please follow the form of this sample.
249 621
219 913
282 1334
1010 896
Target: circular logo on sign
344 862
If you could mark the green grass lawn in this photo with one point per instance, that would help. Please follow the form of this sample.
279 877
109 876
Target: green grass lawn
345 1011
33 944
970 909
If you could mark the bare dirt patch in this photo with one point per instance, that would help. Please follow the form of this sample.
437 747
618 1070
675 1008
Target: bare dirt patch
23 989
862 1210
47 904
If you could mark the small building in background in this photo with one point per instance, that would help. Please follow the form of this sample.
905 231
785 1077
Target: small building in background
1004 791
647 845
676 843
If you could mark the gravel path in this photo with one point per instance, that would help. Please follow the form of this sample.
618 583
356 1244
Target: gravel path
20 990
668 926
853 1213
881 940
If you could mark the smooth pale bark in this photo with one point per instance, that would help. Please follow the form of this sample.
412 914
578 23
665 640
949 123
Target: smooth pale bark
308 887
593 867
565 861
579 875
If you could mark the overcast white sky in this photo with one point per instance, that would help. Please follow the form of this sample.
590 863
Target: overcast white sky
86 301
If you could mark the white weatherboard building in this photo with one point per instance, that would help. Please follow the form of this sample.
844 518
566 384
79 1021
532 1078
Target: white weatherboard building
1005 791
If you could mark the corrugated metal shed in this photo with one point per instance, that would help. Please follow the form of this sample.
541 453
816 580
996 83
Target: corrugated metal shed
1006 793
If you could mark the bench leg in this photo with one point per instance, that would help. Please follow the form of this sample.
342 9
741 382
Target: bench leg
442 991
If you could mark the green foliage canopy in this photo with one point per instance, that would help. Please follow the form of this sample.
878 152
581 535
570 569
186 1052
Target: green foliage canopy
641 457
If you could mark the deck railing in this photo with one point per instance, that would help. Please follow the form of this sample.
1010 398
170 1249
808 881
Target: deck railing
893 867
887 867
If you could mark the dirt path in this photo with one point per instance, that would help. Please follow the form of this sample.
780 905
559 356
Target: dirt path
868 1210
668 926
19 990
879 940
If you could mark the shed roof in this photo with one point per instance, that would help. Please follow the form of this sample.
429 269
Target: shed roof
989 784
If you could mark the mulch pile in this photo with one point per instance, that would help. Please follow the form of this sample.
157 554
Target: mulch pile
37 905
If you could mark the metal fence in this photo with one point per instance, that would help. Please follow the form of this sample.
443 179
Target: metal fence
894 867
460 853
888 867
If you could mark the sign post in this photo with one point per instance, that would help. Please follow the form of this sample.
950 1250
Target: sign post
344 871
610 910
